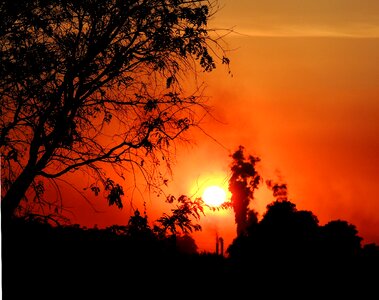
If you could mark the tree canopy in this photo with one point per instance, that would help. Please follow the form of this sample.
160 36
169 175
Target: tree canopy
89 83
243 182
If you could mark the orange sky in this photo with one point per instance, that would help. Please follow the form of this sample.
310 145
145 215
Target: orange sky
304 97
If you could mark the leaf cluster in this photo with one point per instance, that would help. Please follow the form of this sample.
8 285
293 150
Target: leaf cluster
182 216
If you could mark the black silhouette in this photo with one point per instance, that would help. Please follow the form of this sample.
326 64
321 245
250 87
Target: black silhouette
46 259
286 253
89 83
69 70
288 246
242 184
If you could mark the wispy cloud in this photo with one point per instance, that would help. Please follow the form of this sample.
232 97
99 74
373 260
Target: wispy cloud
306 18
357 31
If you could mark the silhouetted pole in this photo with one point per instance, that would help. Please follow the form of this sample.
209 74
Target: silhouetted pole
219 245
221 240
216 244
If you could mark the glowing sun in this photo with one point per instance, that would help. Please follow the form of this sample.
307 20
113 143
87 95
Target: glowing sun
214 195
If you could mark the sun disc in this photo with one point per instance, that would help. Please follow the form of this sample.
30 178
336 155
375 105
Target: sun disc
214 195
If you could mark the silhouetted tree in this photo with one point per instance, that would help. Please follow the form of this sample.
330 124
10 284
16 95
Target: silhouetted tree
279 190
340 239
181 219
186 244
87 83
138 226
286 231
242 184
280 240
41 258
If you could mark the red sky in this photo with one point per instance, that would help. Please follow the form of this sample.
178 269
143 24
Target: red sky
304 97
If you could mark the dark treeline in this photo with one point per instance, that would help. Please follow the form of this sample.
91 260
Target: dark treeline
287 251
289 245
42 259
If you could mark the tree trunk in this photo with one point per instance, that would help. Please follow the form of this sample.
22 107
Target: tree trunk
16 192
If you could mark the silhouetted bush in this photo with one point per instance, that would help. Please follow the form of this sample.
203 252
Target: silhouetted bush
286 249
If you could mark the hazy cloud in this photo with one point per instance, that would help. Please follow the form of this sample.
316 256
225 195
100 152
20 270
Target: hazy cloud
294 18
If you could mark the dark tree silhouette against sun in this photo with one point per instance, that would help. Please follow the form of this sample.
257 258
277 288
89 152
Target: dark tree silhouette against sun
88 83
242 184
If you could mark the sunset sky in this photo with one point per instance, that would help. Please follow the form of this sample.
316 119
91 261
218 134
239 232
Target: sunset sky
303 95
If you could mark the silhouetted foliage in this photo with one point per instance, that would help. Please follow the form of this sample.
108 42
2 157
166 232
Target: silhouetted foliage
282 254
279 191
186 244
43 258
340 239
283 234
287 247
292 245
89 83
115 193
138 227
242 184
181 219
